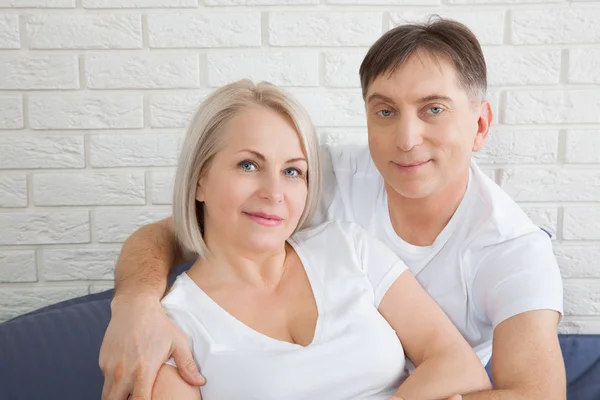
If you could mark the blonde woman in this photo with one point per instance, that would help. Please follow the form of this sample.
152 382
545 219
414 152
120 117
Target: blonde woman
276 311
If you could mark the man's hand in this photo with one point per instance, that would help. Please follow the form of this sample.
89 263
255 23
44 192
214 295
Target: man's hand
139 340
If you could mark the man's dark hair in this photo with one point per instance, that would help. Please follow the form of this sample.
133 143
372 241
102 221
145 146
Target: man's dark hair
438 37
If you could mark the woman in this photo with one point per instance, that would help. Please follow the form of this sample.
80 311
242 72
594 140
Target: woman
275 311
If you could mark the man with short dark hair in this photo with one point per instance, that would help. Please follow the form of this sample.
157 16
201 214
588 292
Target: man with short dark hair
417 189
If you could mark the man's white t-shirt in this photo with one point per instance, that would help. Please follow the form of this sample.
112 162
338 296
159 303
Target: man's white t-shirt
488 264
355 354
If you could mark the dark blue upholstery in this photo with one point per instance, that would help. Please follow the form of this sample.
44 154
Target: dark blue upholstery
52 353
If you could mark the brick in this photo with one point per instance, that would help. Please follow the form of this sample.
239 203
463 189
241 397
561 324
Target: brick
341 69
9 31
283 69
100 288
514 147
583 66
173 111
582 146
581 298
28 151
134 150
13 190
556 25
258 2
18 266
204 30
85 189
79 264
524 184
579 325
139 3
11 112
334 109
578 225
39 72
116 226
86 112
544 217
509 66
15 302
552 107
174 71
102 31
324 28
487 25
37 4
579 261
161 187
44 228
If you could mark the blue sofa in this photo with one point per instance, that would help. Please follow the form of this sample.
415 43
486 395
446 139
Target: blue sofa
52 353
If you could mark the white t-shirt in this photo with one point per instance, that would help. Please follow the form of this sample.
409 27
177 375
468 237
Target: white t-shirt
355 354
488 264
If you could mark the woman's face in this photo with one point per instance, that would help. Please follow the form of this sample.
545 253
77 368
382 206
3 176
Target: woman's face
255 189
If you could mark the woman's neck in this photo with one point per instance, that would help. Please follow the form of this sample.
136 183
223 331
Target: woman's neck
229 262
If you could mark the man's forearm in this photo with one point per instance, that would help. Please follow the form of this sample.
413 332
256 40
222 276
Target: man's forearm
146 259
513 394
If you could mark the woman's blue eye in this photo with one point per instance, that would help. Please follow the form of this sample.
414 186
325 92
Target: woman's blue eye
247 166
292 172
435 110
384 113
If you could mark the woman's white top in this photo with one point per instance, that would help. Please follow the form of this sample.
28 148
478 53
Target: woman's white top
355 354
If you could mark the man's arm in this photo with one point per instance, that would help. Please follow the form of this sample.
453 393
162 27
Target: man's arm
527 362
146 259
140 337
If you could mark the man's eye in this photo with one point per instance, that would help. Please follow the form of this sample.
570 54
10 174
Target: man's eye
385 113
435 110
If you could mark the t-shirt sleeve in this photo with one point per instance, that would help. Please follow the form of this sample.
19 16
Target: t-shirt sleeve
186 323
381 265
518 276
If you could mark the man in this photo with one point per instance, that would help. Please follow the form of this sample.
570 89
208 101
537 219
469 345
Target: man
470 246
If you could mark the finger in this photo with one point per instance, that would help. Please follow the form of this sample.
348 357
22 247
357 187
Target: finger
456 397
120 389
187 366
143 384
108 384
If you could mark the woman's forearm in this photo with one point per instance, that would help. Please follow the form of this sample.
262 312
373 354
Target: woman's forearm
443 375
146 259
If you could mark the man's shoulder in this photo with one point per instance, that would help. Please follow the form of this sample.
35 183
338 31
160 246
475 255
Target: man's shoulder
493 218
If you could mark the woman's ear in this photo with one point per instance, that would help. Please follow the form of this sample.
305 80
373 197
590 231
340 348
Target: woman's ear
199 191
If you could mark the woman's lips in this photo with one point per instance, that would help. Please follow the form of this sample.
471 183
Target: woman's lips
264 219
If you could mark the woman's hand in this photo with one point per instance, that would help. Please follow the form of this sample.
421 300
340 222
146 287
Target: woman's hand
139 340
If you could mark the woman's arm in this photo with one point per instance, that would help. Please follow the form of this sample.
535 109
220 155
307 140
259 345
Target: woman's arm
445 363
170 386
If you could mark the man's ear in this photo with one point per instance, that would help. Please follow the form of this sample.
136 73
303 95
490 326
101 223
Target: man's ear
483 125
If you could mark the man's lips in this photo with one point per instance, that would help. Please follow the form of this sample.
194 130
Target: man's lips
411 164
264 218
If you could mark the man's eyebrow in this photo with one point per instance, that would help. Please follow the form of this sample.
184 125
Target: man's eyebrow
435 97
379 96
262 158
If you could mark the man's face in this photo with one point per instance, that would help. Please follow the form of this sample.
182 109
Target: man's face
423 126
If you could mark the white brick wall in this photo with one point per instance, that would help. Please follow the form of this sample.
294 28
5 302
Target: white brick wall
94 96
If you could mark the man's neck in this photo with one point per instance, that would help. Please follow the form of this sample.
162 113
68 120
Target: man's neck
420 221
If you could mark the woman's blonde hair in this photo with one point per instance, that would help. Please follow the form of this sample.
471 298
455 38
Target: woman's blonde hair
204 139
